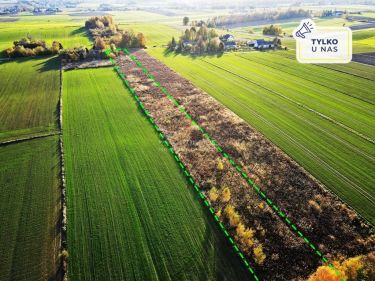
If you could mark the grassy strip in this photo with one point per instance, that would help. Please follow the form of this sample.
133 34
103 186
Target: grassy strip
262 194
130 214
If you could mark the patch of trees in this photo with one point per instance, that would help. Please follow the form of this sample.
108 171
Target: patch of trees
128 39
27 47
272 30
201 23
105 33
197 40
101 26
258 16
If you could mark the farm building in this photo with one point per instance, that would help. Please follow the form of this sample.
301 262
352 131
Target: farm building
228 42
227 38
338 13
230 45
261 44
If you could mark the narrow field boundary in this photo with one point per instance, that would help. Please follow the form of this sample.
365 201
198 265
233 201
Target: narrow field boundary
186 173
63 219
18 140
262 194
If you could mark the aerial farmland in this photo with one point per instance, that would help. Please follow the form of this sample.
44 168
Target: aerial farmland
185 141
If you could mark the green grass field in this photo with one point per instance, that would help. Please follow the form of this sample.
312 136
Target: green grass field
352 68
49 28
131 215
320 117
29 211
28 96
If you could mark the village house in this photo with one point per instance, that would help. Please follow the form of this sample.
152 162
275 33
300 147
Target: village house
228 42
261 44
227 38
230 45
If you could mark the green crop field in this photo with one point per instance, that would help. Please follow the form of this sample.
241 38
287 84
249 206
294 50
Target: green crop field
131 216
29 210
353 68
158 35
49 28
322 118
28 98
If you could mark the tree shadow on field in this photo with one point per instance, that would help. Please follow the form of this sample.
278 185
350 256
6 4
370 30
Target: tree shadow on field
46 63
53 63
79 31
82 31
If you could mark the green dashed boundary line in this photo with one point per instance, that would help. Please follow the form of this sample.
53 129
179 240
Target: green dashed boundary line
184 170
262 194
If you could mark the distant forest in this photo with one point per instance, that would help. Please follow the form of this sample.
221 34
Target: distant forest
258 16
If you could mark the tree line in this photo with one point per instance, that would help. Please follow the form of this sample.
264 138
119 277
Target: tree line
258 16
28 46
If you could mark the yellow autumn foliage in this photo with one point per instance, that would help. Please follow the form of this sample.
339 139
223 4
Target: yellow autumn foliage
232 215
213 194
244 236
220 166
348 269
259 255
225 195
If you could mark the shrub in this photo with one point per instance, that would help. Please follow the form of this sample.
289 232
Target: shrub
56 47
225 195
232 215
259 256
218 213
315 206
141 40
272 30
220 166
213 194
352 267
324 273
355 269
245 236
99 43
65 254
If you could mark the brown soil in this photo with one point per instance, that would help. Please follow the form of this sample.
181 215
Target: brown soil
335 229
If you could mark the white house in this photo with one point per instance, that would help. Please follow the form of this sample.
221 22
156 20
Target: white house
262 44
227 38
